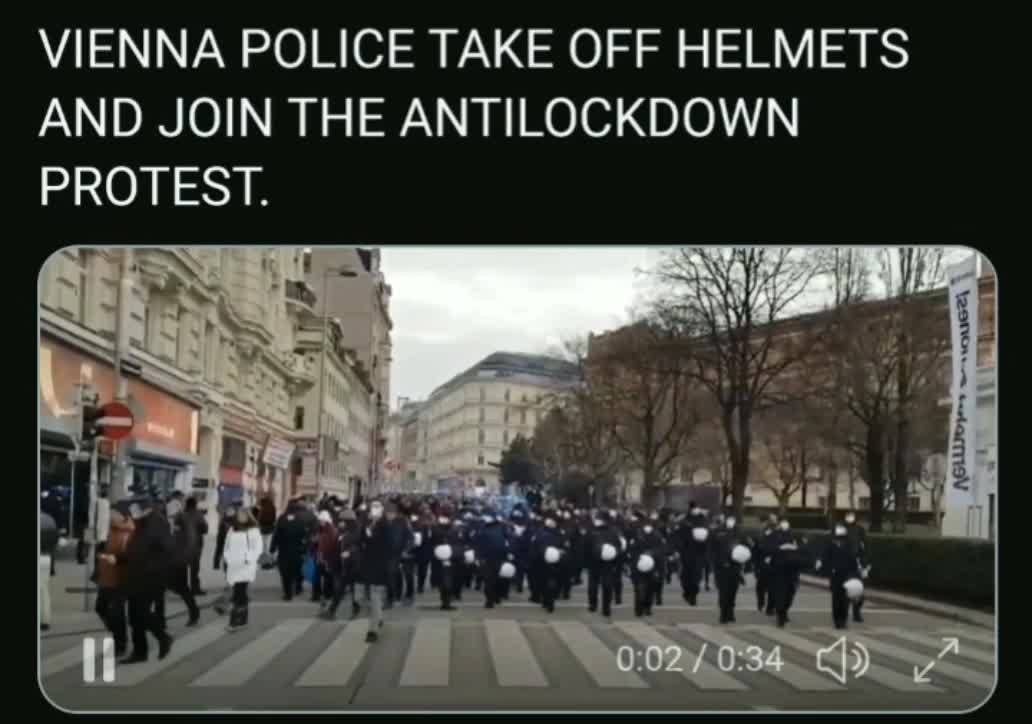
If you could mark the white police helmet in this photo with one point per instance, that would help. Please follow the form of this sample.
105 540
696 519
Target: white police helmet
608 552
700 534
646 563
551 554
740 554
854 588
507 570
443 552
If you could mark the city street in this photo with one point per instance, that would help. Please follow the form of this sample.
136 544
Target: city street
517 656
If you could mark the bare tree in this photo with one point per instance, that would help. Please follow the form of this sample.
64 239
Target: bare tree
638 378
726 305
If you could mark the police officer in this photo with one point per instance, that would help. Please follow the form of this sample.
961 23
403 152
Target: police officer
603 562
763 552
693 536
785 562
492 549
547 559
519 546
726 570
645 554
857 538
444 569
839 563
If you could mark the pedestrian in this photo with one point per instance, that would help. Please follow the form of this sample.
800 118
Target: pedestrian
519 547
225 526
784 565
400 539
694 534
447 547
409 559
288 544
728 555
112 580
243 548
266 521
326 557
101 528
421 531
645 553
49 536
376 550
840 564
347 567
547 558
147 558
492 550
763 552
857 538
185 549
195 518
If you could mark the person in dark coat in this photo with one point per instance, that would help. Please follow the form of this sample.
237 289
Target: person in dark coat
421 526
857 537
763 552
266 521
492 550
289 544
839 563
400 536
410 558
519 546
376 556
195 518
785 562
443 568
147 566
726 571
225 525
693 535
186 549
346 567
646 542
548 573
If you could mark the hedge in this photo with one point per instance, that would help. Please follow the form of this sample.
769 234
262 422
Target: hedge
950 570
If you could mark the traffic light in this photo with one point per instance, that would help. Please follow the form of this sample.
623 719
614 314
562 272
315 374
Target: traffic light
91 413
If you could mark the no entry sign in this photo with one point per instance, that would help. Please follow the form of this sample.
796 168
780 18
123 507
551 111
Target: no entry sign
115 421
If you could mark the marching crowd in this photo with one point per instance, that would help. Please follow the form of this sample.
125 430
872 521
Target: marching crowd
385 551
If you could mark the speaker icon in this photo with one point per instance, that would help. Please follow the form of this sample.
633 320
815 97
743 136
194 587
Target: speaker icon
834 660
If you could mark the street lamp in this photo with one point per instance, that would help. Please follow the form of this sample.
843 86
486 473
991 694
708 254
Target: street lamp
327 273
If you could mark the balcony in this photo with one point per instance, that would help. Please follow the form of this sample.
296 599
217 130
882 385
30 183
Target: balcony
299 294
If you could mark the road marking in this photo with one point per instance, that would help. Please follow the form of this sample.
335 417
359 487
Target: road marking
595 657
880 674
63 661
429 656
89 656
245 662
946 668
795 676
936 642
979 636
514 663
183 647
341 658
701 673
109 659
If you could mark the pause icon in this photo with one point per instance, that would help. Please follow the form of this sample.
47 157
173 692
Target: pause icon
89 659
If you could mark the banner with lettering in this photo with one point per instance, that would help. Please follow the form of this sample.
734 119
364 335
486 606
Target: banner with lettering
961 491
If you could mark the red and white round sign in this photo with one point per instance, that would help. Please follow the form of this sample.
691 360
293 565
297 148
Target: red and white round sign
116 420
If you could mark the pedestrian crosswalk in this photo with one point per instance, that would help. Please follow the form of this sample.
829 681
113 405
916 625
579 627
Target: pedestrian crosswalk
527 654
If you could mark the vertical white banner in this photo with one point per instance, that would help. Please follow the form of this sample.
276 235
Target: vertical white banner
961 489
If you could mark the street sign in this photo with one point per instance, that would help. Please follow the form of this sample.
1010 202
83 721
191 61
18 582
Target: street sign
115 421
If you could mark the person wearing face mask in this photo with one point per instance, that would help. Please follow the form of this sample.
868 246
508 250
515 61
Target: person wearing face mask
243 547
839 563
519 547
547 557
492 549
653 528
693 536
346 567
645 552
763 552
603 562
409 557
784 565
376 557
400 536
446 544
857 538
727 570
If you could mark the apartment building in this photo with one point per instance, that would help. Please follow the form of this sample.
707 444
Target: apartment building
471 418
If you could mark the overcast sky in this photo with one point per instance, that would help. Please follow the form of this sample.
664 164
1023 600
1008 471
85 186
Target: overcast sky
452 307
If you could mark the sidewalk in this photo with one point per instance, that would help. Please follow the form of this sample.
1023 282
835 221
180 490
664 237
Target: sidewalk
933 608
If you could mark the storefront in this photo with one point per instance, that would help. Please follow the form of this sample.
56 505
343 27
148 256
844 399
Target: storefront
275 470
161 450
231 471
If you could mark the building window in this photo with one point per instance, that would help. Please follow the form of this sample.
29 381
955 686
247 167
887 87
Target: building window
913 503
480 436
480 459
505 437
299 418
523 417
482 414
864 503
483 393
505 415
507 395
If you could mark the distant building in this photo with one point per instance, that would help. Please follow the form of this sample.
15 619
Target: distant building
468 421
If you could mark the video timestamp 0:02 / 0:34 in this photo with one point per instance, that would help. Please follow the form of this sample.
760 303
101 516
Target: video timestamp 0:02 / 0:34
727 658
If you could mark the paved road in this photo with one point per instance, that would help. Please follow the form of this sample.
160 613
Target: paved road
518 657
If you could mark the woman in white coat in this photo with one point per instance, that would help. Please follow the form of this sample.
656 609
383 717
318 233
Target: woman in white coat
240 557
